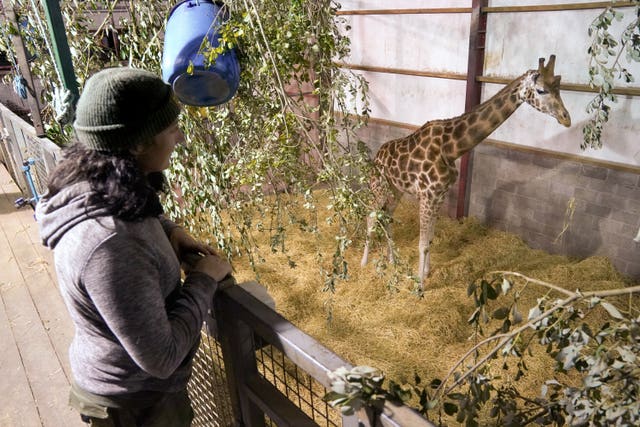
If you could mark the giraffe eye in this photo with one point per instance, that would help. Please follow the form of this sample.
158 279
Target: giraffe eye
541 91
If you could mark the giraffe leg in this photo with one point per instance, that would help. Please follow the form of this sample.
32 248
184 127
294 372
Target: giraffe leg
370 224
423 250
365 255
392 203
378 202
428 210
387 200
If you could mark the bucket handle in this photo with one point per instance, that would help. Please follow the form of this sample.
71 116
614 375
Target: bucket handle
218 3
221 5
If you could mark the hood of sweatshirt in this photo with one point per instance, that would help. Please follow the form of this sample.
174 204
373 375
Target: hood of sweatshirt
60 213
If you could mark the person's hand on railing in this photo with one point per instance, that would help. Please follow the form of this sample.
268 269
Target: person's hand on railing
184 244
212 265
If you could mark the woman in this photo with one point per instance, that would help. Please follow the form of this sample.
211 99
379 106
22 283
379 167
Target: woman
117 258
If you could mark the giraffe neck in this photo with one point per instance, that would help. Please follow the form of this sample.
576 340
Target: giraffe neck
470 129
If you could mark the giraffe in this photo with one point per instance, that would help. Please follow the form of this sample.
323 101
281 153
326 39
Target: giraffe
423 163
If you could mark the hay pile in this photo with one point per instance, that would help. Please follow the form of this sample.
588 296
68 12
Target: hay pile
396 331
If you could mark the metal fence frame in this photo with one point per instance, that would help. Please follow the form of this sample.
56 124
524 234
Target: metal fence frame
259 370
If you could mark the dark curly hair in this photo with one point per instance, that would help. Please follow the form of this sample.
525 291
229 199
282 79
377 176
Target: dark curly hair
116 180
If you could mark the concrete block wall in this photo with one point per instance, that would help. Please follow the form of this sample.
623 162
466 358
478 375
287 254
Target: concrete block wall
559 203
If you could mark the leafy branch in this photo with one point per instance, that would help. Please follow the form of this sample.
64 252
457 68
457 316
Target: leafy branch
606 66
253 165
583 332
559 325
279 139
362 387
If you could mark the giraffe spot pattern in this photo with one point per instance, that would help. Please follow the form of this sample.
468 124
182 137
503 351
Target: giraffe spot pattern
432 155
496 118
474 132
459 130
430 194
441 168
486 113
418 153
447 148
403 161
414 165
432 174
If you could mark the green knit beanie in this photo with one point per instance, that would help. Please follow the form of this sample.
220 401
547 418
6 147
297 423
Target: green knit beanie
120 108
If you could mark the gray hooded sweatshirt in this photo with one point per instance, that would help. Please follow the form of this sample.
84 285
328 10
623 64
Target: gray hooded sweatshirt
136 327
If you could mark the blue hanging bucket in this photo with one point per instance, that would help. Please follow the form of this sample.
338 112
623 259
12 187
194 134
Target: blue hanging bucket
189 23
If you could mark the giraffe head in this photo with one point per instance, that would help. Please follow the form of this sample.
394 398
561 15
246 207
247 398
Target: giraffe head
542 92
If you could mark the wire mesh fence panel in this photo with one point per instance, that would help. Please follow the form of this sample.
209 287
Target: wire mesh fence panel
298 386
208 387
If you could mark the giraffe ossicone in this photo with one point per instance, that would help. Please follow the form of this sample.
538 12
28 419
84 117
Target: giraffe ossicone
423 163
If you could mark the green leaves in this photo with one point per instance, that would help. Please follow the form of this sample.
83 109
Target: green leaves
450 408
606 67
601 353
351 389
612 310
260 157
500 313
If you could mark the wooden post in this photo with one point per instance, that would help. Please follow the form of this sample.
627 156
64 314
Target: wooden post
238 351
475 68
23 65
60 47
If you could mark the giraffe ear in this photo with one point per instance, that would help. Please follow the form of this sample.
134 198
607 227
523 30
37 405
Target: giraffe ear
535 76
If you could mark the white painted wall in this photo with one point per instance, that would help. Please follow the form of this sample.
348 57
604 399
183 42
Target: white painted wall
401 4
411 42
514 42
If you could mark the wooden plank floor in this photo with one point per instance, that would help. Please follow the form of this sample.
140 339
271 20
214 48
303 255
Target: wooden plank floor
35 329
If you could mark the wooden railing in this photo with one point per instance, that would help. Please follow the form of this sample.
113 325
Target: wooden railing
245 324
19 143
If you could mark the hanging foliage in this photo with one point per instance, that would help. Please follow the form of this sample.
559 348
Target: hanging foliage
253 164
608 55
